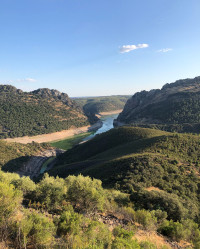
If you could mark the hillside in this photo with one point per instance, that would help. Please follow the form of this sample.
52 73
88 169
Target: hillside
95 105
176 105
134 160
38 112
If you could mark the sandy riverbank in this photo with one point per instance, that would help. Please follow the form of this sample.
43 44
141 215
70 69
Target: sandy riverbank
44 138
109 113
55 136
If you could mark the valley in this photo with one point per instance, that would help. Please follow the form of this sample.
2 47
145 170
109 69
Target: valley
135 185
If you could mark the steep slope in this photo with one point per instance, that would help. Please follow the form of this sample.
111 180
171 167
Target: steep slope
38 112
176 103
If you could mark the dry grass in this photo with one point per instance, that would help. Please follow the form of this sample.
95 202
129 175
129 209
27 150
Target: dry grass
159 240
153 189
152 237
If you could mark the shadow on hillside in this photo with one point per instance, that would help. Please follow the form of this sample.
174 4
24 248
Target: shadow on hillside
94 150
16 164
75 161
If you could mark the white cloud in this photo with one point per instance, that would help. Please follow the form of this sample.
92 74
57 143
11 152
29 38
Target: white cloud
164 50
31 80
128 48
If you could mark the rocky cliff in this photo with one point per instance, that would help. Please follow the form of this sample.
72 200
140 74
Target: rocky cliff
175 103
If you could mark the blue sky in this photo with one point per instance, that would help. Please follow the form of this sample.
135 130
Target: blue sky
92 48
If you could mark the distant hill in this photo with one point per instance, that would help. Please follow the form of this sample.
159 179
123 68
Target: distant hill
37 112
135 160
176 105
95 105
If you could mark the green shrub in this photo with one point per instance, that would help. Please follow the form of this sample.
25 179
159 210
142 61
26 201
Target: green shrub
70 222
80 232
122 233
25 184
120 243
51 192
146 219
174 230
164 201
123 239
37 230
85 194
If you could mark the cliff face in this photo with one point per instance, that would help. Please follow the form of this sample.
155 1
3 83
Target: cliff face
174 103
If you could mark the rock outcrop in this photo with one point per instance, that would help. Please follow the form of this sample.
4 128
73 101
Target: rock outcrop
52 93
33 167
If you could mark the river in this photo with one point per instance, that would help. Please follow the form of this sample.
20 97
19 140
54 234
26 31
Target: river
107 125
107 121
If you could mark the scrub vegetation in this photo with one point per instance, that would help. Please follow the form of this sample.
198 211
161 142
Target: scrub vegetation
77 212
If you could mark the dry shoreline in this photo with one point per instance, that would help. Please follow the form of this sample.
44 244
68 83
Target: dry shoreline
49 137
60 135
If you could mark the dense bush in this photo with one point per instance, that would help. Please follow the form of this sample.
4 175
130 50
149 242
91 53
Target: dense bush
50 192
183 230
154 200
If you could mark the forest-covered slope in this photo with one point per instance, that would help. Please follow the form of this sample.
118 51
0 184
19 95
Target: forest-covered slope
175 107
95 105
38 112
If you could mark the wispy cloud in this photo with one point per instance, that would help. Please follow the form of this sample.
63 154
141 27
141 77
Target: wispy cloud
164 50
31 80
128 48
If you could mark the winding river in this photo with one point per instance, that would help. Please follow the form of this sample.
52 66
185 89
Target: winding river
107 125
